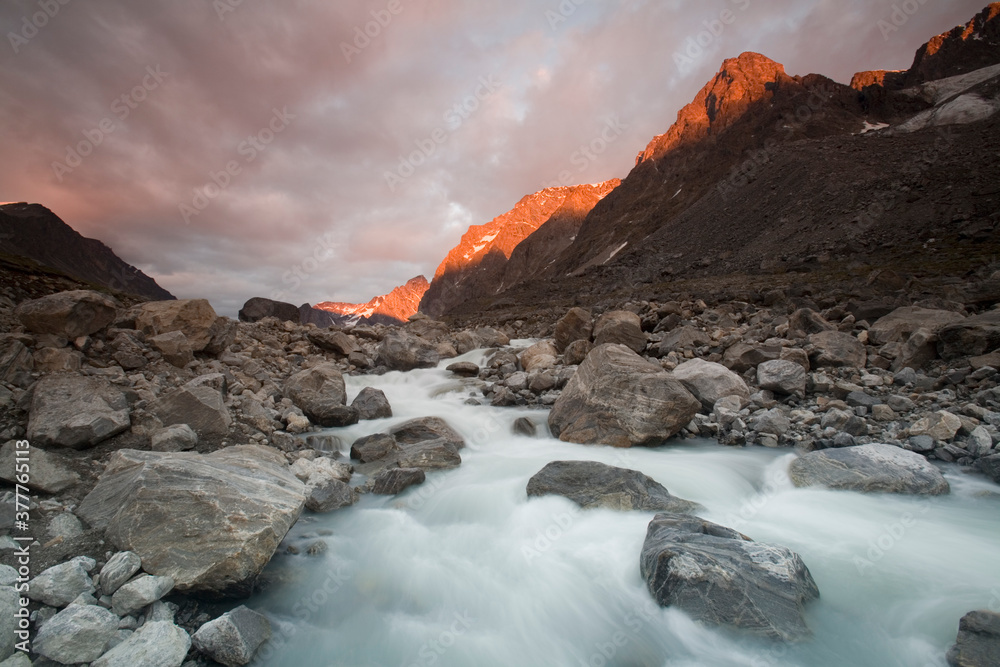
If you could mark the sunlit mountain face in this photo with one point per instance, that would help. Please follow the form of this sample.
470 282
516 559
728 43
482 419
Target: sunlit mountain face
400 304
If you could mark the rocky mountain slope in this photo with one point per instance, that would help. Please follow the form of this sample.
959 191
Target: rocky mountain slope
396 306
766 173
35 232
478 265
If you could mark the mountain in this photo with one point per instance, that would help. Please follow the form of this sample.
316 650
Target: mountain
764 173
393 308
35 232
476 267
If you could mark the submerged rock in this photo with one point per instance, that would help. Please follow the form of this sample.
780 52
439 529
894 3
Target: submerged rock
721 577
618 398
591 484
869 469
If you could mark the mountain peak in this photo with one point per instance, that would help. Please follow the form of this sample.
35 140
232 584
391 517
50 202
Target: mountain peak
398 305
740 82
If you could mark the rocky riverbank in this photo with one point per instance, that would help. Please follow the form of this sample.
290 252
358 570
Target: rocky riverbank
171 450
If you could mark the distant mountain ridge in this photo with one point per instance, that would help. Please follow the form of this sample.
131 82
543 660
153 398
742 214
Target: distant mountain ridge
35 232
395 307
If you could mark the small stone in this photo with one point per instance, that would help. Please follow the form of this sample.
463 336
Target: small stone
61 584
980 443
883 413
64 525
118 570
142 591
76 634
233 638
396 480
176 438
526 427
155 644
941 425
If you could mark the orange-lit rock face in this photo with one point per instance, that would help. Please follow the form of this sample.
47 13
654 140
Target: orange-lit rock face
475 267
740 82
398 304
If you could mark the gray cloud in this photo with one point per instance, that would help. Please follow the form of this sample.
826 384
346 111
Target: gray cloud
319 188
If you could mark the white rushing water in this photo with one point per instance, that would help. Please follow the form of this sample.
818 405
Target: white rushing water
467 571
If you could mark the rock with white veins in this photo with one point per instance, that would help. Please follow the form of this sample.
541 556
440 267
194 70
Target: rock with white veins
869 469
118 570
61 584
141 592
155 644
76 634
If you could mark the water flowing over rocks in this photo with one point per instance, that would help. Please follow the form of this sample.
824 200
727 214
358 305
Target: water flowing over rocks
869 468
721 577
590 484
617 398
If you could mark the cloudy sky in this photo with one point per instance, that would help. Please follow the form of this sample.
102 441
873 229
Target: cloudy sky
332 149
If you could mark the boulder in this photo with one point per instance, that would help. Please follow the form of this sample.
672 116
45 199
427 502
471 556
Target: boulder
721 577
196 319
372 404
741 357
155 644
990 466
57 360
16 361
174 438
590 484
782 377
833 348
972 337
257 308
900 324
426 429
396 480
222 334
708 381
576 352
209 521
175 348
140 592
539 356
50 472
941 425
233 638
79 633
375 448
61 584
68 314
618 398
76 412
402 351
978 642
918 351
577 324
322 396
330 495
808 321
620 327
334 341
874 468
439 454
686 337
490 337
118 570
200 407
465 369
773 422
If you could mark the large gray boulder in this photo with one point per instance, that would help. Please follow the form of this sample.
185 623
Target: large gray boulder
900 324
76 412
709 382
869 469
322 396
577 324
50 473
201 407
211 522
978 642
68 314
334 341
155 644
424 429
79 633
233 638
257 308
620 327
782 377
141 592
61 584
371 403
402 351
196 319
591 484
721 577
540 356
972 337
396 480
618 398
834 348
